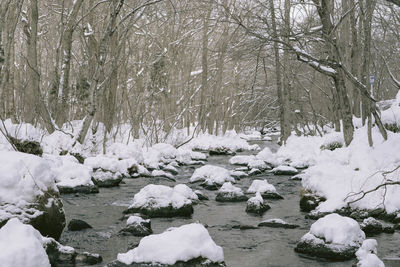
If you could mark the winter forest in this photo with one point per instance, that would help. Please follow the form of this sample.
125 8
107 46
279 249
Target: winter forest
238 133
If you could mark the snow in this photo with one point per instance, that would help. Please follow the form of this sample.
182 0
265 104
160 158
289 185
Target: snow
337 229
24 177
108 163
136 220
338 174
367 254
212 174
68 172
230 140
257 200
261 186
130 151
229 188
275 220
257 164
284 168
267 156
160 173
156 196
21 245
176 244
241 159
392 114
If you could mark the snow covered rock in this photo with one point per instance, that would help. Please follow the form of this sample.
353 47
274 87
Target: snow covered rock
333 236
72 177
277 223
21 245
160 173
238 174
254 171
106 178
213 176
201 195
258 164
241 160
256 205
309 201
221 151
371 226
137 226
266 189
163 201
284 170
367 254
230 193
187 245
28 192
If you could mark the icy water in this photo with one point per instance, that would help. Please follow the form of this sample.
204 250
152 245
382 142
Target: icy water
257 247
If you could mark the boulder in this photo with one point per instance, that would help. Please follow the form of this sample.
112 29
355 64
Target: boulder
277 223
267 190
106 178
333 237
27 146
83 189
256 205
28 192
309 201
163 201
77 225
137 226
187 245
284 170
221 151
230 193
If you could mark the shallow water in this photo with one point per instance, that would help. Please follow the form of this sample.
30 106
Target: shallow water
257 247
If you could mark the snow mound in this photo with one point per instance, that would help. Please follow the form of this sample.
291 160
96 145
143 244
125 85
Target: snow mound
69 173
23 179
21 245
284 170
230 141
337 229
367 254
229 188
257 200
261 186
241 159
136 220
176 244
122 151
159 196
211 174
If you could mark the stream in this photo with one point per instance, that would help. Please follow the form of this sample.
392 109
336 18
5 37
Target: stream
256 247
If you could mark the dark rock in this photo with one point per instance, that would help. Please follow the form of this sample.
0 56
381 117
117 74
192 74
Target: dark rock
254 172
166 212
209 186
83 189
106 178
271 195
78 156
389 229
197 262
77 225
277 224
142 228
65 256
309 201
321 249
86 258
230 197
133 170
221 151
201 195
359 214
371 226
26 146
244 227
51 221
257 209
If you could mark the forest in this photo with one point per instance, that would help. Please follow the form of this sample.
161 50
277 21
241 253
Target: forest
199 132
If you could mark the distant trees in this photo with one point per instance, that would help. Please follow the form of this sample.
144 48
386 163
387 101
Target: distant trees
213 65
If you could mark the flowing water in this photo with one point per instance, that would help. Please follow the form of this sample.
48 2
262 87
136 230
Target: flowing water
256 247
